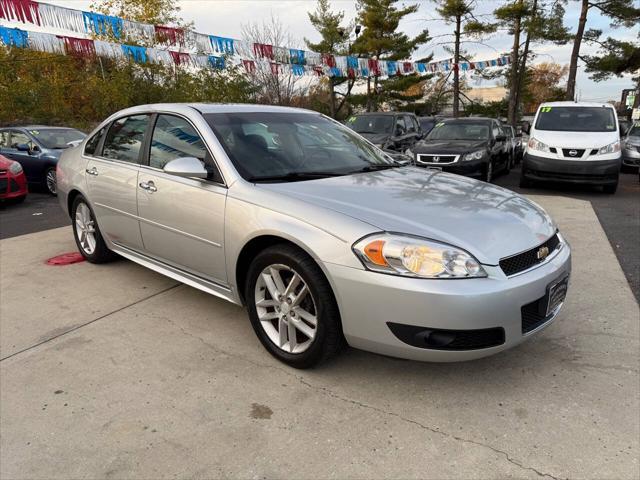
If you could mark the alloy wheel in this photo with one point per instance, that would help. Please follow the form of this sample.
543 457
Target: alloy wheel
286 308
85 229
51 181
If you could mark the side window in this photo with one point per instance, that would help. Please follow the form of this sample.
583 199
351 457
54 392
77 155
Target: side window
174 137
92 143
416 125
124 139
496 129
411 128
401 126
18 138
4 139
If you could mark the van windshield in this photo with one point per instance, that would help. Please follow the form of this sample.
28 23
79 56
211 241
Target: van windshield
576 119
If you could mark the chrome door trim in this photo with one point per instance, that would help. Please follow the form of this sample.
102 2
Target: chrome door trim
160 225
195 281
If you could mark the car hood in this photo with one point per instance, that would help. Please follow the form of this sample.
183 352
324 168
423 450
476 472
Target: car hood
375 138
575 139
448 146
488 221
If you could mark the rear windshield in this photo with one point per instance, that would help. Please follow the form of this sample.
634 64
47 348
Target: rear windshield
57 138
576 119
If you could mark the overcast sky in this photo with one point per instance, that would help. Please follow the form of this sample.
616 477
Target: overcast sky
226 17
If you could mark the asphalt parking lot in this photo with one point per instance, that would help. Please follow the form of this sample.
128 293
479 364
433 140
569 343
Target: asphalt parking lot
113 371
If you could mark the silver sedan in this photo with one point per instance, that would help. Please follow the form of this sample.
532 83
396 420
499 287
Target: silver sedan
326 239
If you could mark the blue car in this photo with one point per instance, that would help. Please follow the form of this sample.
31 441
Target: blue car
37 148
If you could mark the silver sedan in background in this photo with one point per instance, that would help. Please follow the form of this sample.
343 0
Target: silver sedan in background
324 238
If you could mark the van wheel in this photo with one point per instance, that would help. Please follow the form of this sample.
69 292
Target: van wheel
292 307
87 234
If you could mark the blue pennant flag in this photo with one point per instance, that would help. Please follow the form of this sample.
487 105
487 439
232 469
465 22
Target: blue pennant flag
14 37
297 56
365 72
335 72
297 70
392 68
352 62
137 54
464 66
102 24
216 62
421 67
221 44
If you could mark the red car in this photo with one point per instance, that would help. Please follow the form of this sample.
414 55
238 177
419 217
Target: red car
13 183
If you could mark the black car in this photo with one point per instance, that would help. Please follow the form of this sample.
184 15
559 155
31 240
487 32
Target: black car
37 148
395 131
475 147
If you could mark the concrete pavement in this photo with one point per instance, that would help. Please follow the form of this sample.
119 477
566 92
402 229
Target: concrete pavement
165 382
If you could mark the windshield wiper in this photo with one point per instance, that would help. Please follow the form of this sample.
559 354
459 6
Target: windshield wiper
375 168
294 176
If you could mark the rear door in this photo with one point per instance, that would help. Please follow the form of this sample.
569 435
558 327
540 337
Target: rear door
182 219
112 179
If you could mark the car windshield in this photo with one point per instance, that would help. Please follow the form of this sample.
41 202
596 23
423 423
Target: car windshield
635 131
576 119
371 123
268 146
459 131
57 138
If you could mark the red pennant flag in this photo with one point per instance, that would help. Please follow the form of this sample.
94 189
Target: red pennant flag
180 58
169 35
79 47
328 60
274 68
25 11
249 65
263 51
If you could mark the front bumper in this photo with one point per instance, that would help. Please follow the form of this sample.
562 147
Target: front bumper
13 186
470 168
631 156
596 172
368 301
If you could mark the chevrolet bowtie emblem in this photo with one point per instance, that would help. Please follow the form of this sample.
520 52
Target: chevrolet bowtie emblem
543 253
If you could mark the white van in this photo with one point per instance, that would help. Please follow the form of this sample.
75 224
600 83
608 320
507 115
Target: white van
575 142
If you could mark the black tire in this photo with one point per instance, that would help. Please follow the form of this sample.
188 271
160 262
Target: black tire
328 340
488 172
610 189
50 187
101 253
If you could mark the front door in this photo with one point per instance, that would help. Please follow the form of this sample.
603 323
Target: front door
112 180
182 219
31 163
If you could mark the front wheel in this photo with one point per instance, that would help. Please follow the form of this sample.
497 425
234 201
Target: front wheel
87 234
488 172
292 307
51 181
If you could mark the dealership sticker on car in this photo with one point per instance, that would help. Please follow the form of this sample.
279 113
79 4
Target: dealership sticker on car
557 294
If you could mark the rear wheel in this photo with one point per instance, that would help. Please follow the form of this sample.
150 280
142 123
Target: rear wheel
50 181
292 307
87 234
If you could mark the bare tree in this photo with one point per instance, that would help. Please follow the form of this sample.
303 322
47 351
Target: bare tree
276 84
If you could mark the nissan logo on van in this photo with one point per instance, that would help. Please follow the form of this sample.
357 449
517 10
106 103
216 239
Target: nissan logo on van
573 153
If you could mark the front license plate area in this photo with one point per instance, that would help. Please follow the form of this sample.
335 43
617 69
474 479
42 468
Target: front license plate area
556 294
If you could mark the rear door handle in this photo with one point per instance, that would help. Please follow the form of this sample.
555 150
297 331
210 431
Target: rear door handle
148 186
92 171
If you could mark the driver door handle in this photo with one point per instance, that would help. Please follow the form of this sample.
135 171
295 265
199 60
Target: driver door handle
92 171
148 186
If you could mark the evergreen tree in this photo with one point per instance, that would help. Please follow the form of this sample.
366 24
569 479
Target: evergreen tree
622 13
380 38
460 13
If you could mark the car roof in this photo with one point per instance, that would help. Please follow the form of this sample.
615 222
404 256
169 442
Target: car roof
36 127
366 114
470 119
568 103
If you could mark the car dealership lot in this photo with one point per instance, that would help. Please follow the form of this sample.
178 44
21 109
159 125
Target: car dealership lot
115 371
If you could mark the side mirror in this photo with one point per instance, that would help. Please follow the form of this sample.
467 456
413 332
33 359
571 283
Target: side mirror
186 167
526 127
501 138
23 147
399 132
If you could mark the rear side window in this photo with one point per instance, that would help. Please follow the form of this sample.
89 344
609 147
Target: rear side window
4 139
124 139
92 143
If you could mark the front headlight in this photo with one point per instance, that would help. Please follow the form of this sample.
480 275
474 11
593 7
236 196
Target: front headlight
15 168
473 155
611 148
538 145
416 257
